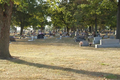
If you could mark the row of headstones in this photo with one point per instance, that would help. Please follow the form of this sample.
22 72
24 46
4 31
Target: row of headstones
96 40
111 37
108 43
101 43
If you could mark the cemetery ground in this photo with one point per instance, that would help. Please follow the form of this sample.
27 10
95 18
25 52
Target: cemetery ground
55 59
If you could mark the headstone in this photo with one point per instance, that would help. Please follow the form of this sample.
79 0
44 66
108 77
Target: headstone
96 40
12 38
90 37
50 33
35 37
32 38
64 34
53 34
72 34
112 37
108 43
98 34
60 37
40 36
115 32
76 33
105 37
78 39
83 43
45 37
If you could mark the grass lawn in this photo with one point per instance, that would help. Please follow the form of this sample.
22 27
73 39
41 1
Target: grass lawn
54 59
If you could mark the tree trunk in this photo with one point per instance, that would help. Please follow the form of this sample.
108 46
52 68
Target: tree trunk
41 28
5 19
90 29
118 22
95 25
21 31
67 30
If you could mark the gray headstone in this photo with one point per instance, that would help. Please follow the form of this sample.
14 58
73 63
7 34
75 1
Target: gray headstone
90 36
83 43
97 40
105 37
108 43
112 37
12 38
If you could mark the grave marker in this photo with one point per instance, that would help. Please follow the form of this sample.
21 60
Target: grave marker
97 40
108 43
83 43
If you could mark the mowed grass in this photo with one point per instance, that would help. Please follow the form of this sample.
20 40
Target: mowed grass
54 59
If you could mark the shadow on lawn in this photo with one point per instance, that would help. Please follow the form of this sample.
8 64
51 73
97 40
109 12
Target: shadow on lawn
90 73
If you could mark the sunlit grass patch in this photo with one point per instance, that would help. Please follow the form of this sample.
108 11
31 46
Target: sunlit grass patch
105 64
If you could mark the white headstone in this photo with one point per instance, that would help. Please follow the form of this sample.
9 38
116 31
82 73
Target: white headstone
31 39
60 37
115 32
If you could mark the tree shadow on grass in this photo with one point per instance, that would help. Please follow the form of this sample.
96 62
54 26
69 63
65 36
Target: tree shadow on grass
90 73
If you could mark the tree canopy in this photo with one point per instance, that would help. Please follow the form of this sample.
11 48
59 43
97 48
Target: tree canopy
84 13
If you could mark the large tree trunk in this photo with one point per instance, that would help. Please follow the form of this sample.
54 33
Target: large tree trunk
5 19
118 22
